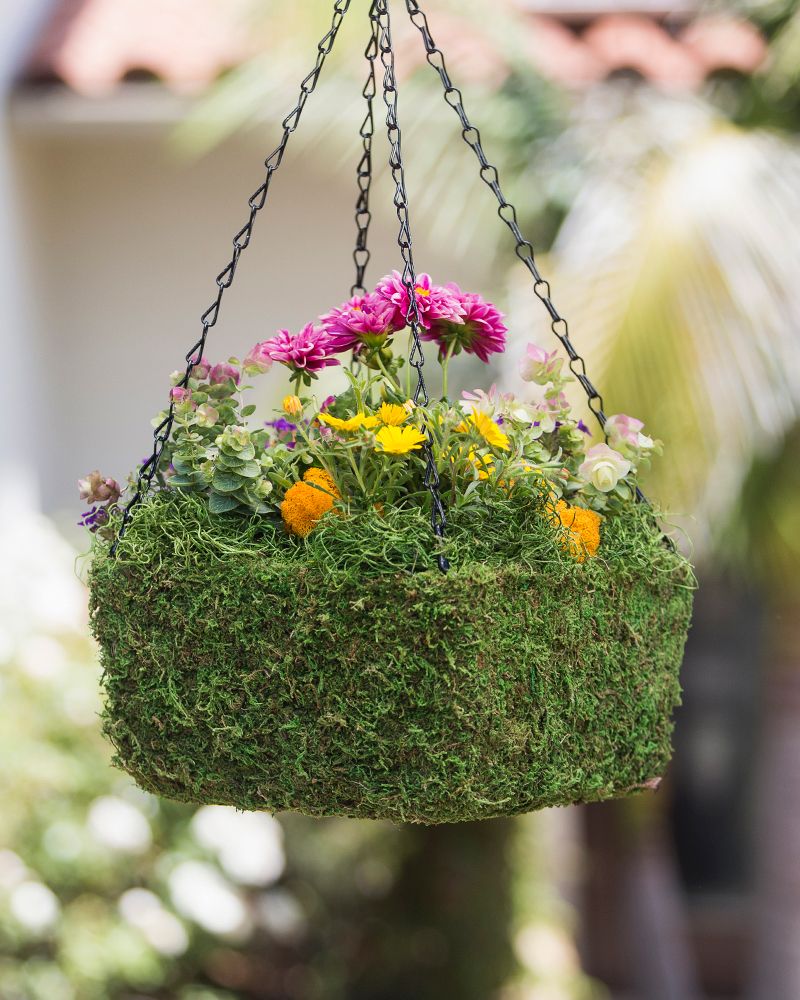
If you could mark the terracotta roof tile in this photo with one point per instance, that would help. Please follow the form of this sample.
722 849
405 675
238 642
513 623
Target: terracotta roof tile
92 45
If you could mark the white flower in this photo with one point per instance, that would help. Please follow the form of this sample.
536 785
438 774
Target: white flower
119 825
604 467
34 906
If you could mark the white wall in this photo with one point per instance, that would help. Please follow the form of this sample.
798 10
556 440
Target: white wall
20 425
126 240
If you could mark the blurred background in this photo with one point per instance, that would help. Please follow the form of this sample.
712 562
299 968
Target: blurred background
652 149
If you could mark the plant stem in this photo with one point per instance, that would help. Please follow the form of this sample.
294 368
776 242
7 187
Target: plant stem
445 365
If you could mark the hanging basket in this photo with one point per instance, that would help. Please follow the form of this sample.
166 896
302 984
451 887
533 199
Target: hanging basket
241 668
240 672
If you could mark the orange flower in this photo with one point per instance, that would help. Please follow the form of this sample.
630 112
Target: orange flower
307 502
583 530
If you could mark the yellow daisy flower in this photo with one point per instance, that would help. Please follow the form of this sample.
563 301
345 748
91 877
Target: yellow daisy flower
484 464
392 415
487 429
399 440
351 424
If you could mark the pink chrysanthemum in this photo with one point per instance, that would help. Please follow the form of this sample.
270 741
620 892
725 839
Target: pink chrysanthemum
480 330
365 320
436 303
308 351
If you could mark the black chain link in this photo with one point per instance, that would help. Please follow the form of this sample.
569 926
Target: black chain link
361 254
506 211
224 279
379 14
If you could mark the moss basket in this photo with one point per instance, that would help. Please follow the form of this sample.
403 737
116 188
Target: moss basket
245 668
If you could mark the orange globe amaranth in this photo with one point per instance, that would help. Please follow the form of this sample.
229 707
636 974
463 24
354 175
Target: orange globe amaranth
583 527
307 502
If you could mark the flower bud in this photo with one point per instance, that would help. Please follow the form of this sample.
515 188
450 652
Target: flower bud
292 406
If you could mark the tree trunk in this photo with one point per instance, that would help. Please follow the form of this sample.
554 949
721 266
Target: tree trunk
444 930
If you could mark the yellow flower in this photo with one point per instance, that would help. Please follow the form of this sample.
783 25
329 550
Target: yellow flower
399 440
583 530
392 415
305 503
292 406
487 429
483 463
351 424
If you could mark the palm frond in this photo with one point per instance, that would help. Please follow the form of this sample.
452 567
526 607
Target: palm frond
677 267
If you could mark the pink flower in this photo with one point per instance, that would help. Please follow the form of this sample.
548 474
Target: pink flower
96 489
626 432
308 351
480 330
364 319
201 370
539 366
222 372
326 403
257 361
178 395
434 301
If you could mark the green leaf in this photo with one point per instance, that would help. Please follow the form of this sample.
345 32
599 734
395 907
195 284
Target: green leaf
226 482
250 470
220 504
249 410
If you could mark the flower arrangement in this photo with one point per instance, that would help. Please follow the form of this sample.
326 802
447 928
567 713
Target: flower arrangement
364 450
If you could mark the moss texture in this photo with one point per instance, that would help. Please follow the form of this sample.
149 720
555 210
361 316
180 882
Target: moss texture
246 668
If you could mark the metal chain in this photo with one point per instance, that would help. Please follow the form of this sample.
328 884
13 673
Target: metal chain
361 254
506 211
224 279
379 14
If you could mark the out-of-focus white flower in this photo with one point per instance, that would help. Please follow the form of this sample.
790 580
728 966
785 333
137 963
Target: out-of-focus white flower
13 870
249 846
281 915
42 657
546 951
202 894
119 825
34 906
160 928
64 840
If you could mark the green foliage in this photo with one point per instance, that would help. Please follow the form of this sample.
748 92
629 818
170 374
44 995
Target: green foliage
245 667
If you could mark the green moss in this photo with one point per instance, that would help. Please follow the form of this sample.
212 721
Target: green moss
247 668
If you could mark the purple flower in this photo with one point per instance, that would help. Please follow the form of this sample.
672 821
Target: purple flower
284 431
363 320
435 302
582 427
93 518
480 330
221 373
282 425
308 351
328 401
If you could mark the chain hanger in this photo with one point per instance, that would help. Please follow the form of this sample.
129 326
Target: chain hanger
361 254
379 46
224 279
379 14
507 212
